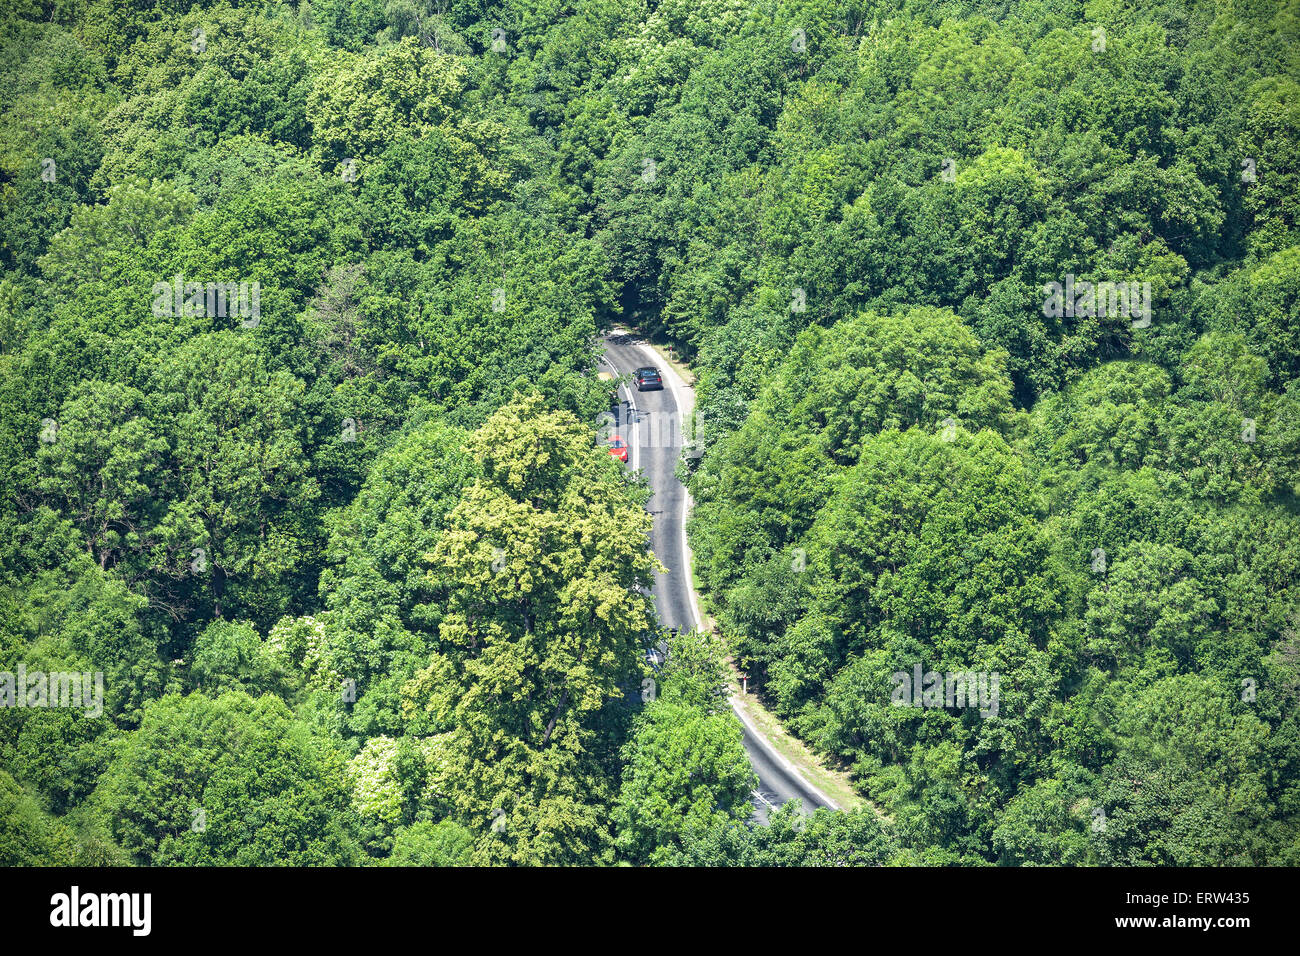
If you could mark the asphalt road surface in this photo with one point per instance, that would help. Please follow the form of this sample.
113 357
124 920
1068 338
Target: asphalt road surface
652 425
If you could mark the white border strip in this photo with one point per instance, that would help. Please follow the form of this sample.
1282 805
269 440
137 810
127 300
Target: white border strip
678 387
773 755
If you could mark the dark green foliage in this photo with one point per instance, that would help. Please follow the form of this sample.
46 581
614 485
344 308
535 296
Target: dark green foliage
272 531
230 781
855 838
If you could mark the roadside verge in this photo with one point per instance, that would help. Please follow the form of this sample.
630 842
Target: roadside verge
832 786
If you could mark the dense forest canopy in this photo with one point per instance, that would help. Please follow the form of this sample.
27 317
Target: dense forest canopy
994 310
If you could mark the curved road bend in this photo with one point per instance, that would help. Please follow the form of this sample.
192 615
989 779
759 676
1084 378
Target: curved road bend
651 425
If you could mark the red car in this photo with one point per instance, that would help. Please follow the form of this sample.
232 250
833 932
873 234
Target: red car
618 448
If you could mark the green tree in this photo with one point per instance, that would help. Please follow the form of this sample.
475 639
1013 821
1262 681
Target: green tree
231 781
542 561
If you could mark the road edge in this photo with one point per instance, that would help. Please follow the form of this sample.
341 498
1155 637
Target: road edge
679 388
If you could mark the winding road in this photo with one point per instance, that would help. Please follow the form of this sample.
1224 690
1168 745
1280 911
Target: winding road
651 424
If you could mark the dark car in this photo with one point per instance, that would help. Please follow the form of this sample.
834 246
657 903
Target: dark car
647 379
